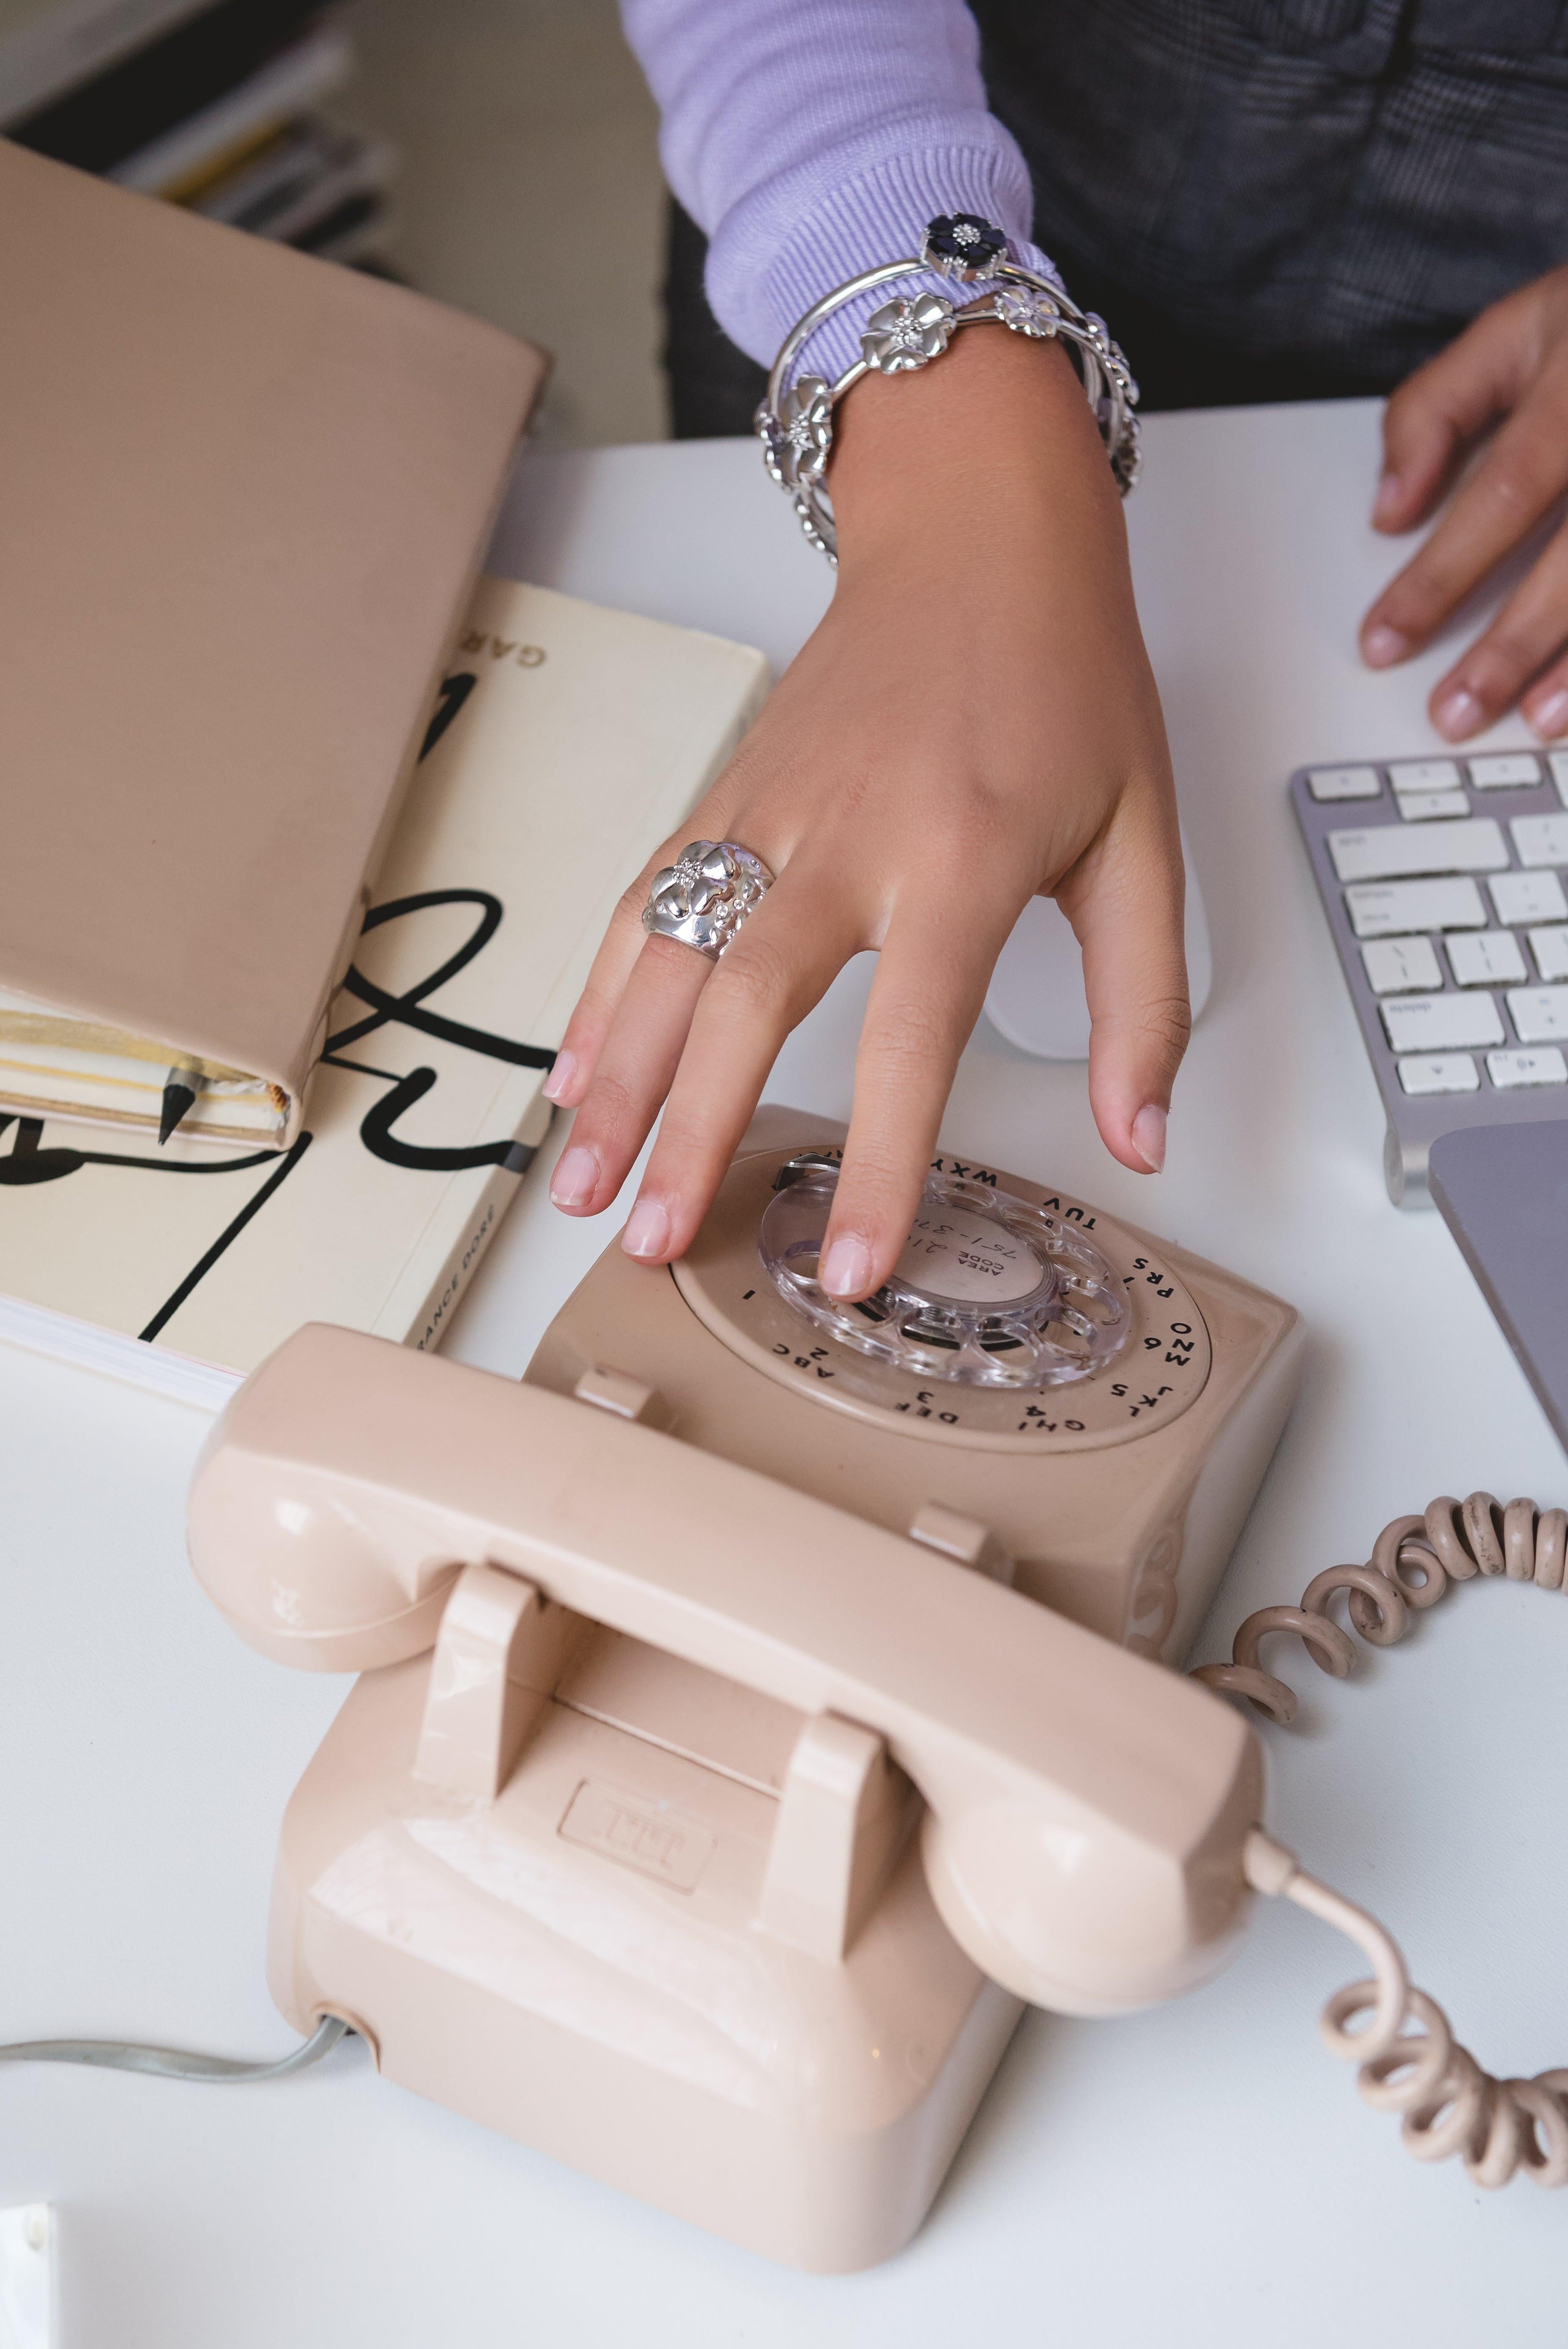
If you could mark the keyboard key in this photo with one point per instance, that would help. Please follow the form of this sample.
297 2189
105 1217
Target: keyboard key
1550 948
1415 905
1537 838
1396 966
1343 783
1392 848
1558 762
1543 1067
1439 1023
1509 771
1440 1072
1539 1013
1486 959
1421 807
1425 775
1529 897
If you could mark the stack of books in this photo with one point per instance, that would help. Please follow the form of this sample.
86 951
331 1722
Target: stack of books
308 842
565 744
210 103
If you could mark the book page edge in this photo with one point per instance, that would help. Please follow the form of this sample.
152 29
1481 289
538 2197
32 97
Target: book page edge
111 1353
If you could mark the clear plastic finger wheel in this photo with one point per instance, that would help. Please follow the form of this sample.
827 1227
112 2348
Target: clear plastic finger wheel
988 1291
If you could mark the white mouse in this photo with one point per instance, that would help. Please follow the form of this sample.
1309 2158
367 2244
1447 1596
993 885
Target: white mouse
1036 997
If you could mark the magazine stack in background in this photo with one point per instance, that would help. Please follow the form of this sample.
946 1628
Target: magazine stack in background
211 104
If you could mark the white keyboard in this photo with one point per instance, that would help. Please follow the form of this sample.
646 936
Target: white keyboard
1444 884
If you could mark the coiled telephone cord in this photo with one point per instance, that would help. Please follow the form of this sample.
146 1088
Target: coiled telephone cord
1450 2104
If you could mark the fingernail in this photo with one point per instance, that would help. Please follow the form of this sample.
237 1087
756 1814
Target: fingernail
846 1270
560 1075
648 1231
1389 493
1457 714
576 1177
1381 647
1551 716
1148 1135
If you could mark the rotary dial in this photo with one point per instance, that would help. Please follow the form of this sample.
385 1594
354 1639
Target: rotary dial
1016 1318
990 1291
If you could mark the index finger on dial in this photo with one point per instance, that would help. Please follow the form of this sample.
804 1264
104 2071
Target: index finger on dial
924 1001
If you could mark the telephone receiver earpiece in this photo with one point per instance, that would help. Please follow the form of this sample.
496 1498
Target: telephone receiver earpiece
1086 1810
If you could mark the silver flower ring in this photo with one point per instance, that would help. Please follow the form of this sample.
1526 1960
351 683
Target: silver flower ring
702 899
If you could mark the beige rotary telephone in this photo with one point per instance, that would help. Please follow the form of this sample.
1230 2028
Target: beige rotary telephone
717 1786
709 1804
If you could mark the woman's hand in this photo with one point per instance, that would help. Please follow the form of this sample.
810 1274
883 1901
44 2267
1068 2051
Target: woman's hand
974 721
1513 363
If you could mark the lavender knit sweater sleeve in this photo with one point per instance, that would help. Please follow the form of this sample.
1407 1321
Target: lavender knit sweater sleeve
813 139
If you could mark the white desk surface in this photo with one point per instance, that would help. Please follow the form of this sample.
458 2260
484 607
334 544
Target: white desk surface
1205 2174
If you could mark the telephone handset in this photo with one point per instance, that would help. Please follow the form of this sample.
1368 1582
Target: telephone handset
1084 1811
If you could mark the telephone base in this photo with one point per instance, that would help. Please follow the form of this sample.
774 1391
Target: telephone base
1118 1500
616 2004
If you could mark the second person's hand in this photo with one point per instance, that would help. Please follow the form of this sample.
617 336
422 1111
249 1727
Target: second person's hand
1511 363
974 722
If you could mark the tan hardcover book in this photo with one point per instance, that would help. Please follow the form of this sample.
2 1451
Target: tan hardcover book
567 743
244 497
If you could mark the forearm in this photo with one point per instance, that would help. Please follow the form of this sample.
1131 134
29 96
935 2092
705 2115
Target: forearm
813 139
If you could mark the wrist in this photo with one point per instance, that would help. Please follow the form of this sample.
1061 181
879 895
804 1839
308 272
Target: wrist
991 447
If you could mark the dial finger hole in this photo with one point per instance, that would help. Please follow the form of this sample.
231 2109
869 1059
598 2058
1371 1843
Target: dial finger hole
986 1292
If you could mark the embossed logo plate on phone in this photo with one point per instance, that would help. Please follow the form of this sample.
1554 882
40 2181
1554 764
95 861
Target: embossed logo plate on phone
666 1844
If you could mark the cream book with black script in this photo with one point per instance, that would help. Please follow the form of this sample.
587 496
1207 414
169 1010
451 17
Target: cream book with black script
565 743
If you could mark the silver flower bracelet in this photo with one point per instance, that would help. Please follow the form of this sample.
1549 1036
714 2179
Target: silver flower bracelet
796 426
